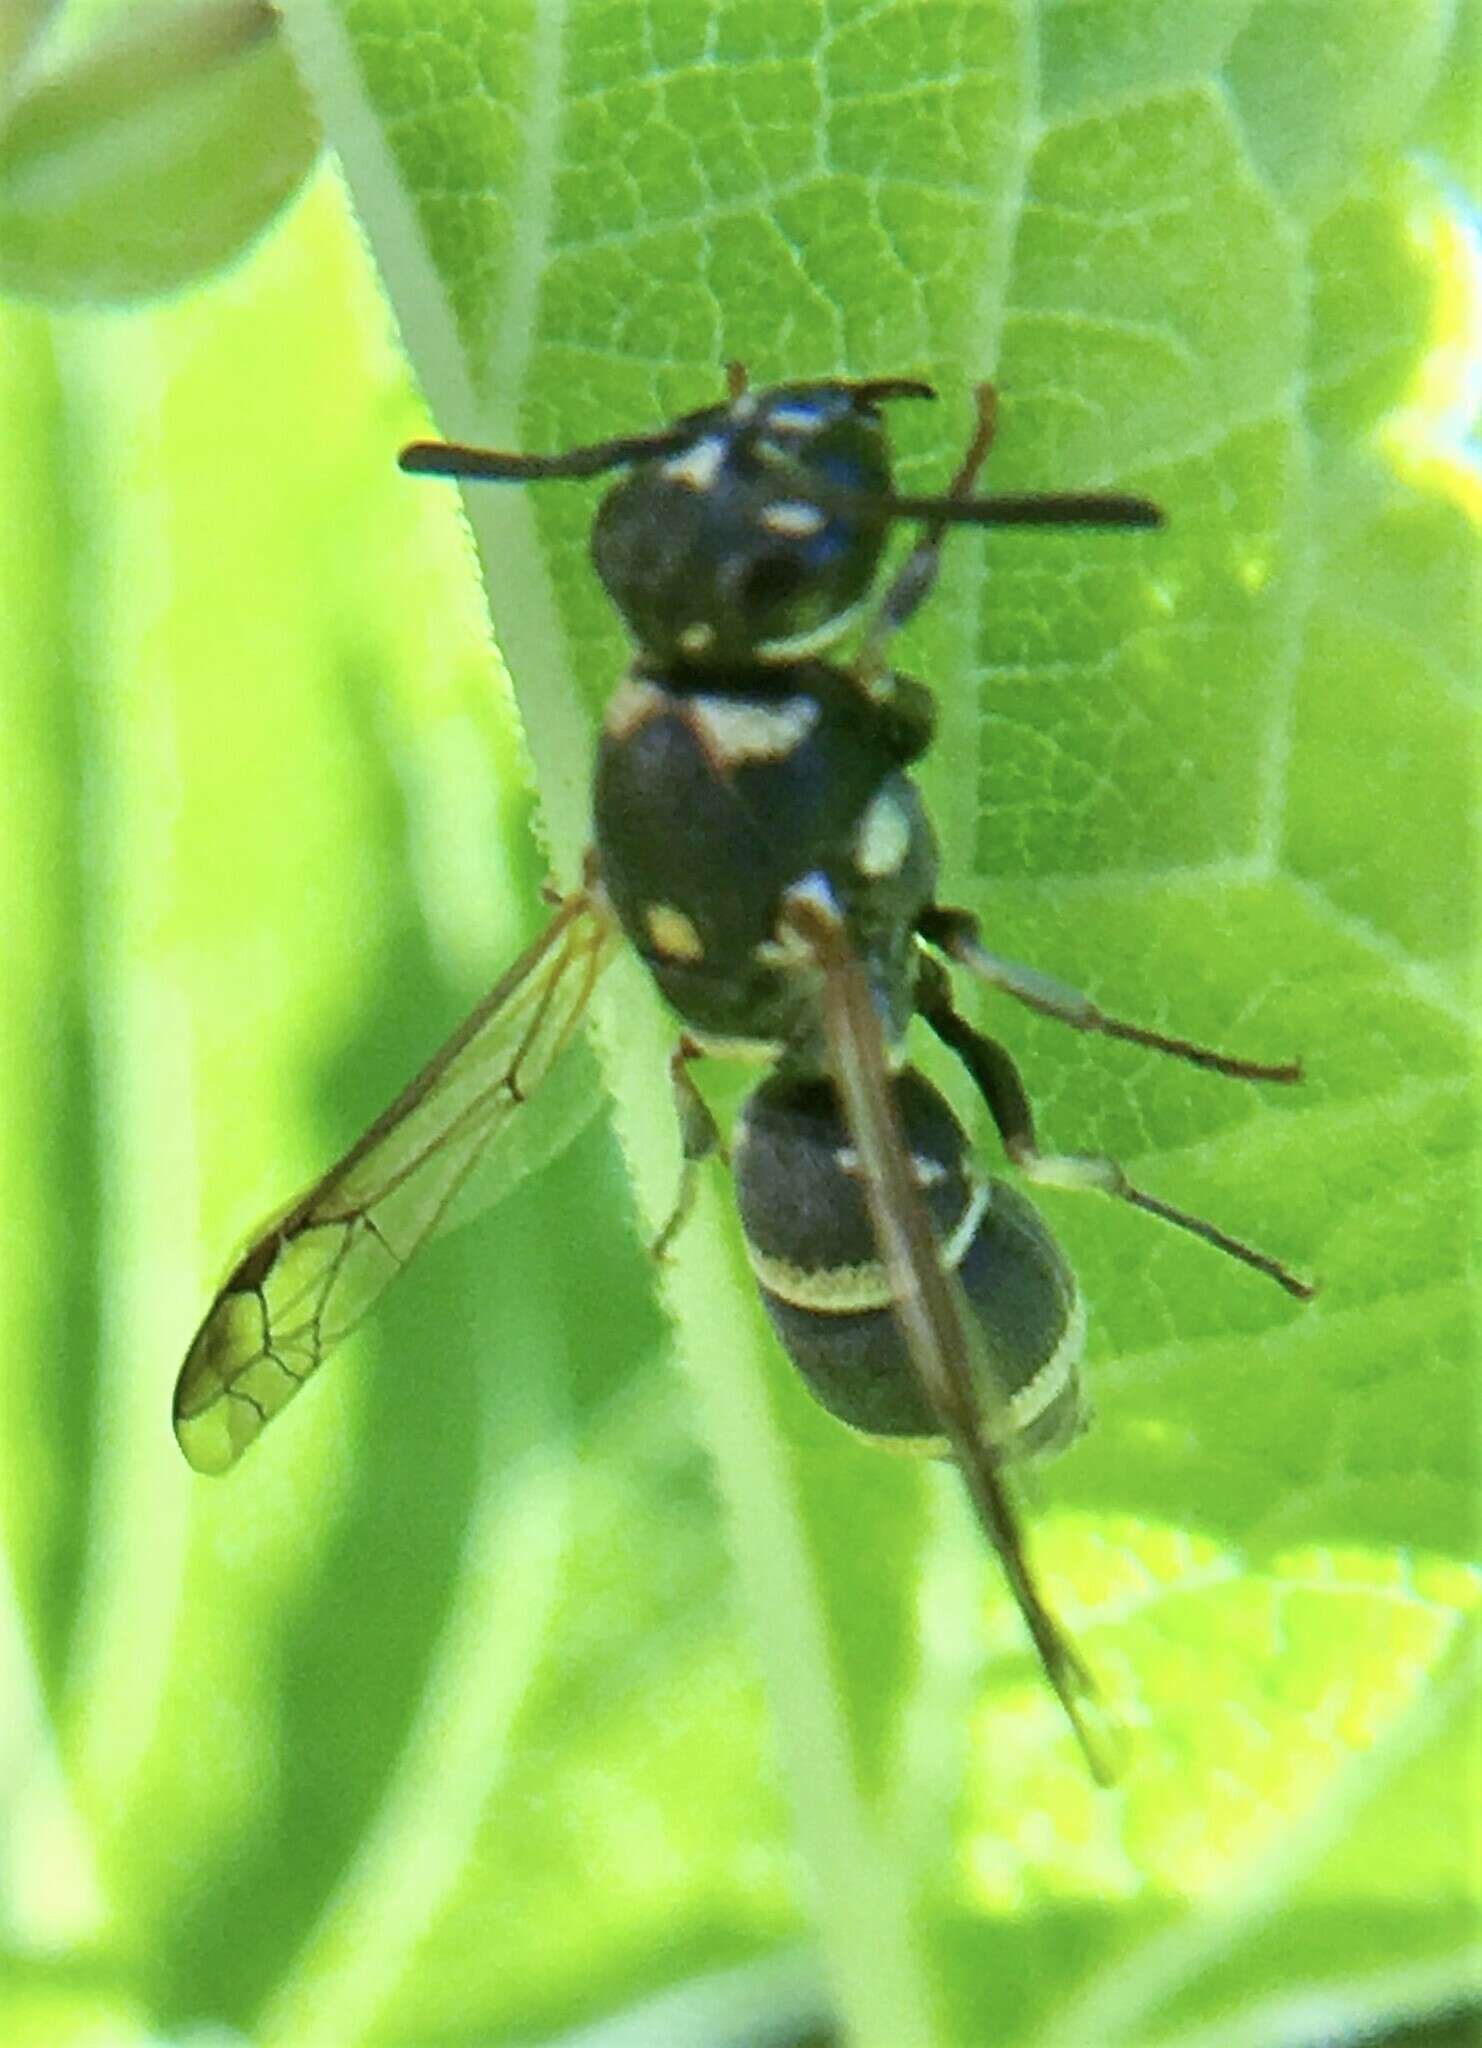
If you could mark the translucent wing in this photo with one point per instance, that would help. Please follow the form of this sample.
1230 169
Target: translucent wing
932 1313
315 1271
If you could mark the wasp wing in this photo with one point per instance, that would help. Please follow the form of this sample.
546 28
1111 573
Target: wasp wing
933 1315
314 1272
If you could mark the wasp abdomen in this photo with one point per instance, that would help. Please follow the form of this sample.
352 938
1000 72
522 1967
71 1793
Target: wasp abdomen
814 1255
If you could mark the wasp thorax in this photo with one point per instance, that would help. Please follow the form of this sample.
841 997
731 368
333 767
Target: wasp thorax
759 537
716 794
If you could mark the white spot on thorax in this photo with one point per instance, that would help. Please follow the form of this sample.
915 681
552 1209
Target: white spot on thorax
794 519
733 730
673 934
632 704
883 837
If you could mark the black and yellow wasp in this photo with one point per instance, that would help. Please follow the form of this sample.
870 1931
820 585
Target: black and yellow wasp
759 842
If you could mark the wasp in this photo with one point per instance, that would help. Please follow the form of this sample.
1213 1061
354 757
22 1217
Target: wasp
759 841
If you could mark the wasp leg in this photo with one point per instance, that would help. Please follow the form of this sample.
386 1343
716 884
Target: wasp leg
913 582
955 933
1002 1088
928 1305
699 1140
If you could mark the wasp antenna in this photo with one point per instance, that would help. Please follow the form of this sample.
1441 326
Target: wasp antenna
876 390
1033 508
493 465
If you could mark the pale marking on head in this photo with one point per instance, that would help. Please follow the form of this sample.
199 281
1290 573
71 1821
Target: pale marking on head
743 408
793 418
698 467
776 454
882 838
697 639
733 730
673 934
794 519
632 704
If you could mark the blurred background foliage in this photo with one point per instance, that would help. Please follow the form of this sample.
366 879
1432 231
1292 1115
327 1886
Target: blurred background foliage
471 1709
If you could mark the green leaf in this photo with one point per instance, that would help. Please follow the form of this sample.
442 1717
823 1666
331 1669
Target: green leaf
482 1703
1447 122
21 28
152 157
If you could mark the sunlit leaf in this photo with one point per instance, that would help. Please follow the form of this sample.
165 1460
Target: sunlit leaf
457 1712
